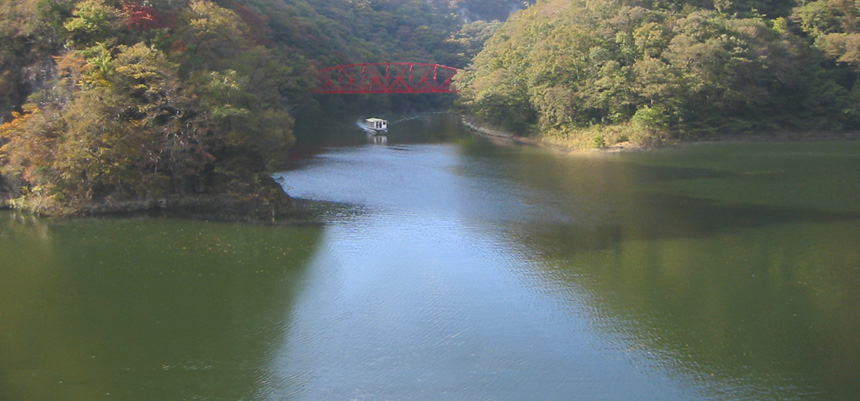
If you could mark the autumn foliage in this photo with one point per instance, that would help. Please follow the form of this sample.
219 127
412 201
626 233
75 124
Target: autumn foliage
256 22
130 116
145 18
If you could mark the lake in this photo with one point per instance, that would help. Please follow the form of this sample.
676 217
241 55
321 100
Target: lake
449 268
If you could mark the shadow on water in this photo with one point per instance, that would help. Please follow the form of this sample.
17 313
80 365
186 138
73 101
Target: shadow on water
601 200
428 127
758 287
747 301
733 265
687 218
144 308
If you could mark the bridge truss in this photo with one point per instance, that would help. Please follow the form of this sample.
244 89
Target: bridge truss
387 78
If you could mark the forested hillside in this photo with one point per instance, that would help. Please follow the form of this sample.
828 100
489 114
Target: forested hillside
104 100
592 73
108 100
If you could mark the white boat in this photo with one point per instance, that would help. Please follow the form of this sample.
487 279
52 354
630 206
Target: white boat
376 124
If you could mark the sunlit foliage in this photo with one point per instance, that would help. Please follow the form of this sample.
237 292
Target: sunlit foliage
563 67
127 117
135 99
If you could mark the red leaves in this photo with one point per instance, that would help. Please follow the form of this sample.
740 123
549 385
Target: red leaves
178 46
256 23
145 18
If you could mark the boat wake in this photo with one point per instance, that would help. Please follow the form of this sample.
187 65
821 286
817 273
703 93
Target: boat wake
361 124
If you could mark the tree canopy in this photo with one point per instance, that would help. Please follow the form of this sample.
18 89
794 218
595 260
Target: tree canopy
569 68
133 99
103 99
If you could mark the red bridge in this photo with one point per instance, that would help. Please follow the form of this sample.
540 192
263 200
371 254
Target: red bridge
387 78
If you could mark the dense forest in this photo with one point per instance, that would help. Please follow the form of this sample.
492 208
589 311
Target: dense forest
113 100
592 73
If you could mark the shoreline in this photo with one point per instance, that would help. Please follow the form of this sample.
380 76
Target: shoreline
509 138
222 207
274 206
270 205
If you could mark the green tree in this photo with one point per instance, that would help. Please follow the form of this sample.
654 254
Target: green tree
164 114
92 21
577 64
835 25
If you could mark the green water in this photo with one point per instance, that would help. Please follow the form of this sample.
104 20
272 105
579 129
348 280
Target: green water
136 309
459 270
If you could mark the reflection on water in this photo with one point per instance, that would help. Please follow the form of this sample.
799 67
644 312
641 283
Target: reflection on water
681 274
458 270
142 308
734 265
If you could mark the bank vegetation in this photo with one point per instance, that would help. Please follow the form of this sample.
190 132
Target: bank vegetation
597 73
123 104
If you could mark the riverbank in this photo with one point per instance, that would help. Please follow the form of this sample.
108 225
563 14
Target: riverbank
504 137
267 204
8 191
499 136
219 207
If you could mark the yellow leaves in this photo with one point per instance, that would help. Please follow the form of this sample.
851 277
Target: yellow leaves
90 67
844 47
19 17
137 72
145 74
123 120
19 120
209 19
98 69
139 87
226 81
70 63
93 20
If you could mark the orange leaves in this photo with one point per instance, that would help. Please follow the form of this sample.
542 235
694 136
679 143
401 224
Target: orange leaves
70 65
18 121
29 143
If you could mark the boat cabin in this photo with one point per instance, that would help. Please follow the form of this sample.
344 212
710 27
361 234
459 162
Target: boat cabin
376 124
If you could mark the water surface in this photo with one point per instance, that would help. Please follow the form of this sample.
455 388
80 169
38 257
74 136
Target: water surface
451 269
